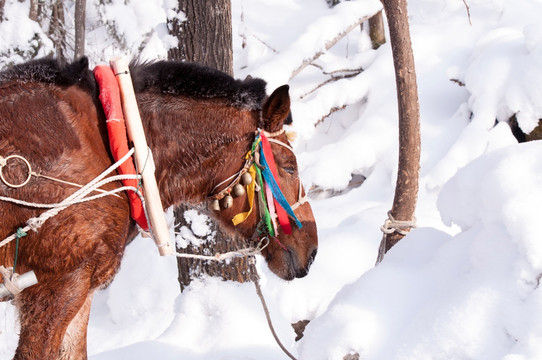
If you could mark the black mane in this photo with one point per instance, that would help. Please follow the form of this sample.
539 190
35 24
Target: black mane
169 77
51 71
194 80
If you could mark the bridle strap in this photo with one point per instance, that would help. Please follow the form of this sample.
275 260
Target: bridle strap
302 199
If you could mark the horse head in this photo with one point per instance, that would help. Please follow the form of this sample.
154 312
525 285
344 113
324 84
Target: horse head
292 233
206 130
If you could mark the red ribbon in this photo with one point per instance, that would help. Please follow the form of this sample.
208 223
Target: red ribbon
118 141
284 221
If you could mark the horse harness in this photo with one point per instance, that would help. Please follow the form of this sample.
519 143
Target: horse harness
259 175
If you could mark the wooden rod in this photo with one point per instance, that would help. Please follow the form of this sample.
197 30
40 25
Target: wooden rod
143 156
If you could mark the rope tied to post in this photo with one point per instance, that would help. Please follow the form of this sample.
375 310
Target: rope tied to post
402 227
390 226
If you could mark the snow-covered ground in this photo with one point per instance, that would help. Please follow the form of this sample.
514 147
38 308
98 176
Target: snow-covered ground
463 285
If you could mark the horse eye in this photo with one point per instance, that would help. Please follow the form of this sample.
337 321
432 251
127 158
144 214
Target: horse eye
289 170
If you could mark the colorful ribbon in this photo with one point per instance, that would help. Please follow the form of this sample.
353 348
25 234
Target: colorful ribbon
239 218
270 175
274 202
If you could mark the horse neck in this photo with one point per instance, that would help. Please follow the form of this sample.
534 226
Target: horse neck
196 144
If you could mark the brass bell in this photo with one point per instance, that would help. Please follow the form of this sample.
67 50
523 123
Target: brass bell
227 202
215 205
239 190
246 179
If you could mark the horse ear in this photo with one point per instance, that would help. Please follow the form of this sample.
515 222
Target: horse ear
276 109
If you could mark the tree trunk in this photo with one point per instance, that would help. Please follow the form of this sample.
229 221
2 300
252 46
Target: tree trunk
406 191
205 36
2 4
33 12
237 269
79 48
376 30
57 32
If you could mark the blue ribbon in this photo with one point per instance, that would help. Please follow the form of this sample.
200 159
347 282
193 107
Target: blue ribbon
275 189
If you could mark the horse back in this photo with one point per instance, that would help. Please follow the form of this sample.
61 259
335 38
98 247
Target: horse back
60 130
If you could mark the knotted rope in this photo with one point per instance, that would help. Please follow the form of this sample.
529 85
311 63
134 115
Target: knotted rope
390 226
231 254
9 276
77 197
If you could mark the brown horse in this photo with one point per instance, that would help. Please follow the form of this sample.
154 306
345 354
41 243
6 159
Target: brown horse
199 124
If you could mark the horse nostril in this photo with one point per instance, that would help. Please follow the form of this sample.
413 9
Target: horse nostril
303 271
311 258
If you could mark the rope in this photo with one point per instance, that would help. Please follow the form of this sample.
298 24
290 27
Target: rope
75 198
266 310
400 226
8 275
390 226
231 254
18 235
249 252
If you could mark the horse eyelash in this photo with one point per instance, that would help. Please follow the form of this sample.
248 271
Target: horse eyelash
289 170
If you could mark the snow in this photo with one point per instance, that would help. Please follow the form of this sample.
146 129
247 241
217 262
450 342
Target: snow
463 285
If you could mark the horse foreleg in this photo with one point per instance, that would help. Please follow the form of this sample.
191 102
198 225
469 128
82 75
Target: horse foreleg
45 312
74 344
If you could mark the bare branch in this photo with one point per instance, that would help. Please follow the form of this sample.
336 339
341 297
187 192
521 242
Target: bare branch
328 46
343 74
468 11
333 110
266 44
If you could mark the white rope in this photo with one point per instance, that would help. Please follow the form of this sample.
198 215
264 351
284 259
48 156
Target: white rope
8 277
390 226
400 226
229 255
77 197
81 200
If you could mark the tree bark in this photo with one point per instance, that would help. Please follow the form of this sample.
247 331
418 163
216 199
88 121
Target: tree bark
2 4
376 30
33 12
79 48
57 32
406 191
237 269
205 36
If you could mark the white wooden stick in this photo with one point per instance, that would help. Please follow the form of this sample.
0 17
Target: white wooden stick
143 156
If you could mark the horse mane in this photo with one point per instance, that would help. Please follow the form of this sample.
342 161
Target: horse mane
50 71
197 81
167 77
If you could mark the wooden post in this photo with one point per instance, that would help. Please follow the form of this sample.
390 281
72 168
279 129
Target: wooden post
143 157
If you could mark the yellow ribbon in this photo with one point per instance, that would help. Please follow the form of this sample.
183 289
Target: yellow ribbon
239 218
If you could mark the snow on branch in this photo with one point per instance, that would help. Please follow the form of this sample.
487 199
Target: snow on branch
328 45
317 38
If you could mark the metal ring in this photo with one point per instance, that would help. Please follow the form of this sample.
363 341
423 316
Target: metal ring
4 163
